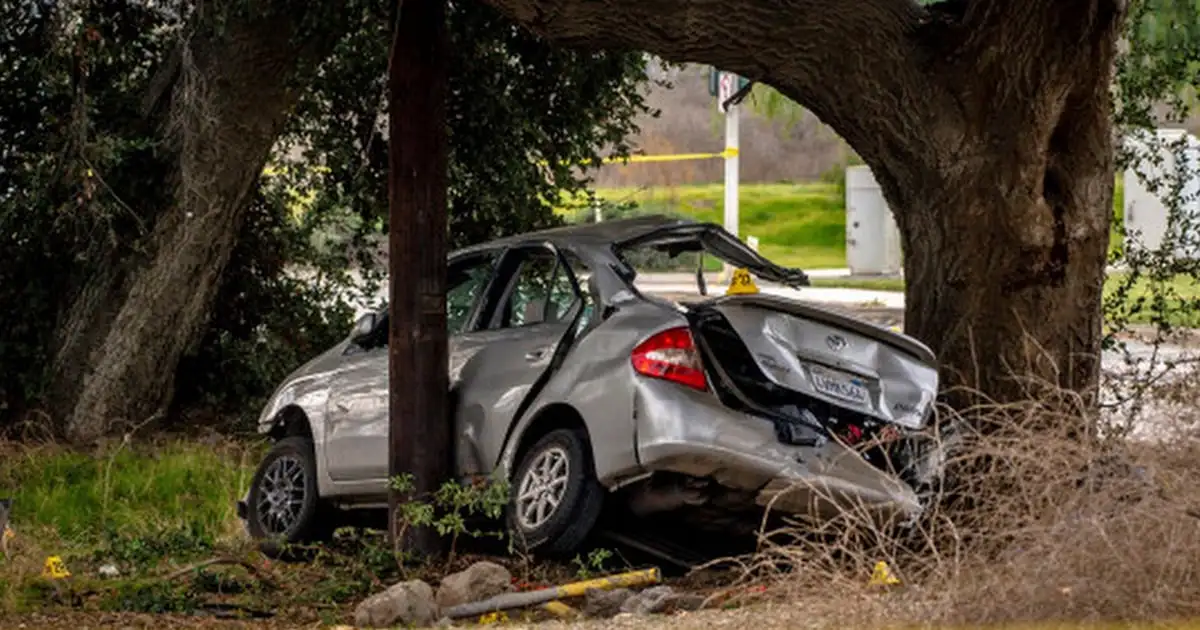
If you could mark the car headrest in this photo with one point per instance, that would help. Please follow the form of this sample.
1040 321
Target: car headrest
534 311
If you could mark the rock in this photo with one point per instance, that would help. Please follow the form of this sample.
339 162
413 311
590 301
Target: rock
478 582
661 599
109 571
602 604
405 604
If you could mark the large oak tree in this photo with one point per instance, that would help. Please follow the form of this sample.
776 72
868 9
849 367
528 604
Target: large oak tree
137 227
986 122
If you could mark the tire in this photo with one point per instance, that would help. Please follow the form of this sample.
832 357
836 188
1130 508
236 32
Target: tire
562 528
306 522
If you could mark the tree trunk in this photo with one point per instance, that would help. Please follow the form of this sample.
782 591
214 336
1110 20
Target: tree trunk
987 125
228 98
419 429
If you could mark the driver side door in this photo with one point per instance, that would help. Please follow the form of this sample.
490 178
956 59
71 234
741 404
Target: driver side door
357 409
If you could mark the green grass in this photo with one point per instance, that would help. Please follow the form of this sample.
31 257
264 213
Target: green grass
1175 301
138 506
81 499
867 284
797 224
1180 296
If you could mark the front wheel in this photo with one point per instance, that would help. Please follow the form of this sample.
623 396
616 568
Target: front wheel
283 508
556 498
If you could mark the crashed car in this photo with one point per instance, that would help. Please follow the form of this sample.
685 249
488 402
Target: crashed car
582 389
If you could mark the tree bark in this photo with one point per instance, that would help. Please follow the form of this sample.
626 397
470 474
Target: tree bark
230 94
419 427
987 125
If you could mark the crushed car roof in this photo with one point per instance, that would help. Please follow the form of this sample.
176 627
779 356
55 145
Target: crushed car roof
603 233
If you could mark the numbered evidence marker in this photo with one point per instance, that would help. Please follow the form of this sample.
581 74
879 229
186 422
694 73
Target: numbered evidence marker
882 575
741 283
55 569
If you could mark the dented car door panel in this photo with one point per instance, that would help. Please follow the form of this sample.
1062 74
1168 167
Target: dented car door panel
502 367
356 418
596 381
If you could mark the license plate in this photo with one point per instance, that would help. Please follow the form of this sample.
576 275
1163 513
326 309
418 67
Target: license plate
840 386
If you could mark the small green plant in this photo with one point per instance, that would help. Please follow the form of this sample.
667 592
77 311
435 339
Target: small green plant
450 509
149 596
593 565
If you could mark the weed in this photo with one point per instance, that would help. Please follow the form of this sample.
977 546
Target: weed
149 596
593 565
450 509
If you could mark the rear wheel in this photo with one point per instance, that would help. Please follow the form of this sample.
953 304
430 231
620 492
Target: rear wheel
283 509
556 499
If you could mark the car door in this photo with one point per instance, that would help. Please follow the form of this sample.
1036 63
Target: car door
508 356
357 410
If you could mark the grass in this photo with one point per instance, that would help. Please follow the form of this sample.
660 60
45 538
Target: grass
797 224
803 225
81 498
152 509
135 507
1179 307
888 283
1057 530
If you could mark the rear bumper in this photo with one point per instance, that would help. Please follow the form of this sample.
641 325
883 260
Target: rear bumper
690 432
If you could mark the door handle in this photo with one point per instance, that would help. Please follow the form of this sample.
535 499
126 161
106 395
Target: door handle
535 355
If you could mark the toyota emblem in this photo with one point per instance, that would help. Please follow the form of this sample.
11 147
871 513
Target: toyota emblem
837 343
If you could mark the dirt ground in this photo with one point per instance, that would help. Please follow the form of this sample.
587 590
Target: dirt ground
777 616
766 617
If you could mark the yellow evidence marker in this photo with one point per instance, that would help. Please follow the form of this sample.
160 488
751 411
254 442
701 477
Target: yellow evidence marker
741 283
882 575
55 569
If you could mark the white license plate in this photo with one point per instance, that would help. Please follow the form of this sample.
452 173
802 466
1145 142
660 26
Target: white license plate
840 386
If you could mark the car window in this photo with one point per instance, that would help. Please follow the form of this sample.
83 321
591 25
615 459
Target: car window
527 302
564 295
465 284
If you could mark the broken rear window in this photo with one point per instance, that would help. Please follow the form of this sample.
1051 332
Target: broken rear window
687 249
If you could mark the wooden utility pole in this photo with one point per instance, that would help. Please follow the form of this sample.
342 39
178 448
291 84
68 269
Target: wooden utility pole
419 430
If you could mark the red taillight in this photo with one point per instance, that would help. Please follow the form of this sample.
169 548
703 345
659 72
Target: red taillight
671 355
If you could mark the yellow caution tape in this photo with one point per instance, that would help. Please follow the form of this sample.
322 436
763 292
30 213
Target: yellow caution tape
633 159
678 157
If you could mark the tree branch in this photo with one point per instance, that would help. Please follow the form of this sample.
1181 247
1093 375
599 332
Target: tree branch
855 64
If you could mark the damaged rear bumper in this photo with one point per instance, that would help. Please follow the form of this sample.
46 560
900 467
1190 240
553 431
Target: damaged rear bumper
691 433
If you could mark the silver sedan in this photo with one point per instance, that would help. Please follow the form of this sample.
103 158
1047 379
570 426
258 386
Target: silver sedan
578 388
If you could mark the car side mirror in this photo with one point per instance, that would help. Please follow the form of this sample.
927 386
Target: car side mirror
363 328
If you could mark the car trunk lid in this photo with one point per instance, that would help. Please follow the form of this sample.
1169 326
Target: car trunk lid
822 355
